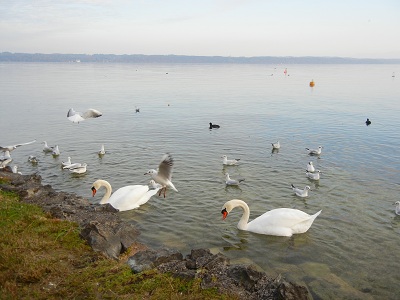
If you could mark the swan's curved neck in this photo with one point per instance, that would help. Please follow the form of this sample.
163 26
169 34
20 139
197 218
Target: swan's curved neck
108 191
242 225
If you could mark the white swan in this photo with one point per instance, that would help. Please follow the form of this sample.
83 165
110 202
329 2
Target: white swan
314 176
310 167
279 222
76 117
229 162
301 193
276 145
125 198
163 175
397 209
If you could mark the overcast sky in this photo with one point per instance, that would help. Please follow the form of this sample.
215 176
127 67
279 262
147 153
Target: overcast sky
346 28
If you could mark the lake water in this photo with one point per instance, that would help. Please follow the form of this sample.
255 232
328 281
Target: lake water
352 249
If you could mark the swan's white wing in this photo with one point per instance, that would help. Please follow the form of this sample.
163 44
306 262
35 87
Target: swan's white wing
280 220
128 197
92 113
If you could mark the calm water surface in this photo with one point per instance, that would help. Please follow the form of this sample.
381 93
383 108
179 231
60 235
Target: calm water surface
351 250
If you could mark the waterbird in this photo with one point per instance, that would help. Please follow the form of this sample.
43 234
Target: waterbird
301 192
56 151
317 151
397 208
310 167
313 176
47 148
13 147
214 126
368 122
276 145
125 198
163 175
229 162
32 159
102 151
277 222
229 181
76 117
78 169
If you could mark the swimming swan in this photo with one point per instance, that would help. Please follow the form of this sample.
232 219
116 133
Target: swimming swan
125 198
278 222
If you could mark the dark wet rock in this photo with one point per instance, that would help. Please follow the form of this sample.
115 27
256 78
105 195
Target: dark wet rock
104 231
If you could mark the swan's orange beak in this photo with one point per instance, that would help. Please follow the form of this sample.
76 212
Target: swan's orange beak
93 191
224 214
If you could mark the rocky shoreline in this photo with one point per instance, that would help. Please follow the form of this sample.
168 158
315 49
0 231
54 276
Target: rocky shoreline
104 231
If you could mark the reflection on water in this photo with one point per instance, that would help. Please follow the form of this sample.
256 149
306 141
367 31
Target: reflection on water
351 250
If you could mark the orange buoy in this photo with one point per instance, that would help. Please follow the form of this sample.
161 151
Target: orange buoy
312 83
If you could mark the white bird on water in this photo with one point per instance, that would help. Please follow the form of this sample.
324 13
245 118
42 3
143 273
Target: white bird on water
13 147
230 181
78 169
397 208
5 159
32 159
66 163
56 151
47 148
229 162
317 151
314 176
102 151
310 167
301 193
276 145
125 198
277 222
76 117
164 174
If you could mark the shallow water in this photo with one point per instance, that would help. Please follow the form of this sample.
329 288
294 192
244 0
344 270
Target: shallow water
352 249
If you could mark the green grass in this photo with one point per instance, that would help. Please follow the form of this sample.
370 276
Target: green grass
44 258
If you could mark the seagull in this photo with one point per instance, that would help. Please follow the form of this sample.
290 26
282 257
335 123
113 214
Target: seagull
315 151
300 192
13 147
397 209
5 159
76 117
214 126
78 169
32 159
15 170
310 167
229 162
102 151
66 163
164 173
229 181
276 145
75 165
56 151
154 185
313 176
46 147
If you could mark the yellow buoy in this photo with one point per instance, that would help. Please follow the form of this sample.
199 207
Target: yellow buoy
312 83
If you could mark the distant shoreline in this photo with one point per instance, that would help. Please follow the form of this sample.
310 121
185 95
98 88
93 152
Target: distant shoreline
185 59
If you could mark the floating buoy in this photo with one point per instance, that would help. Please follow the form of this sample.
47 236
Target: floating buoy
312 83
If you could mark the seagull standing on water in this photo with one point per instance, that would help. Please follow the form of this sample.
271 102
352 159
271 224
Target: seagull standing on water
13 147
56 151
276 145
76 117
46 147
397 209
229 162
317 151
301 193
102 151
78 169
164 174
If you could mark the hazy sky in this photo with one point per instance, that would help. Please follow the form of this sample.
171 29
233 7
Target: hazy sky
346 28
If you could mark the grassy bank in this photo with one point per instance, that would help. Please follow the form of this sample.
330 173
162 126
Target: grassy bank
44 258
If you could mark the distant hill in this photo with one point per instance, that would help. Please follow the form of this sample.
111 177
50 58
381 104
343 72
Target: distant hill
182 59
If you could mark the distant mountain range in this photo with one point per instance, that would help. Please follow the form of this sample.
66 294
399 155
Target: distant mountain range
183 59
